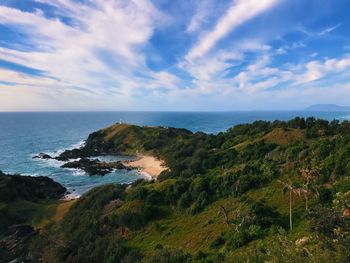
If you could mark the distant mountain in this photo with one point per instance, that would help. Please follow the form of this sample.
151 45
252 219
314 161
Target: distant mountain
327 107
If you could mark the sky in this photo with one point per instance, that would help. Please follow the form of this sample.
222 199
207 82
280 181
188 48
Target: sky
166 55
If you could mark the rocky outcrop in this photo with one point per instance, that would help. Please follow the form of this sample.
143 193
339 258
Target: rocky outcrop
95 145
71 154
95 167
14 244
44 156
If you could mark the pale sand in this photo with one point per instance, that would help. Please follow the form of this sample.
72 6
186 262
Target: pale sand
148 164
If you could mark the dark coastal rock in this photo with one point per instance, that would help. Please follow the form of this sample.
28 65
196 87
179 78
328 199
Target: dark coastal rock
42 156
95 145
95 167
91 167
71 154
14 243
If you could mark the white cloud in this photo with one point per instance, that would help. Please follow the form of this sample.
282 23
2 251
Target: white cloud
239 12
261 76
322 33
100 49
330 29
315 70
212 67
204 10
285 49
25 80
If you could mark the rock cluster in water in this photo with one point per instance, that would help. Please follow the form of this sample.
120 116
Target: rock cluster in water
89 166
95 167
81 158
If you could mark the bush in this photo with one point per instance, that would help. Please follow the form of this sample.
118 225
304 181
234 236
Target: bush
237 239
217 242
200 203
135 214
167 256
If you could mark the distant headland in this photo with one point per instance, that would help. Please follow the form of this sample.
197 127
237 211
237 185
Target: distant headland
327 107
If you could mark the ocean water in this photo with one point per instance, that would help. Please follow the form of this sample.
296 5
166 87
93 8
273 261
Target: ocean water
23 135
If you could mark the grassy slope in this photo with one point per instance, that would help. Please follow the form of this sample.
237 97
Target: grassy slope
39 214
184 231
193 233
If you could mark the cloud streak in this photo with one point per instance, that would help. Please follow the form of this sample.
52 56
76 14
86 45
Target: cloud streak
330 29
238 13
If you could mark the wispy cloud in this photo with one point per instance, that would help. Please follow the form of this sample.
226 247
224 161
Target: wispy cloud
330 29
315 70
287 48
203 10
261 75
237 14
319 33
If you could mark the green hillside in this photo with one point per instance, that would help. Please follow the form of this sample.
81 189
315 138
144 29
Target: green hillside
261 192
26 204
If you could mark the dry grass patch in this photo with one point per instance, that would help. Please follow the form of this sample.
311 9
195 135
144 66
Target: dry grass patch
62 210
282 137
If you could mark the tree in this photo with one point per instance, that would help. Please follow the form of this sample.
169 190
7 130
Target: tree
309 176
291 189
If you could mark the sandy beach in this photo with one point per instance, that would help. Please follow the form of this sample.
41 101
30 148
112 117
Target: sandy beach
148 164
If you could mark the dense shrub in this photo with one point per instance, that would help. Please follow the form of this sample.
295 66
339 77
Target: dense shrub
167 256
135 214
17 187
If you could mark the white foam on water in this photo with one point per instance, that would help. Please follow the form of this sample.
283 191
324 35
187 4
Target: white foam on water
49 162
32 175
78 145
145 175
56 153
347 117
77 172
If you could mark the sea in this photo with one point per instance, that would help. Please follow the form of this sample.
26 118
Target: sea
24 135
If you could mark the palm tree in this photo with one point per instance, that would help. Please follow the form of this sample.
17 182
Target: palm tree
292 189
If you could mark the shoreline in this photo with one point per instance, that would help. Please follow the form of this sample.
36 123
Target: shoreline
147 165
70 197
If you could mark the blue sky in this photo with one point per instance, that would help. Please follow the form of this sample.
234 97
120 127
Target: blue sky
173 55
